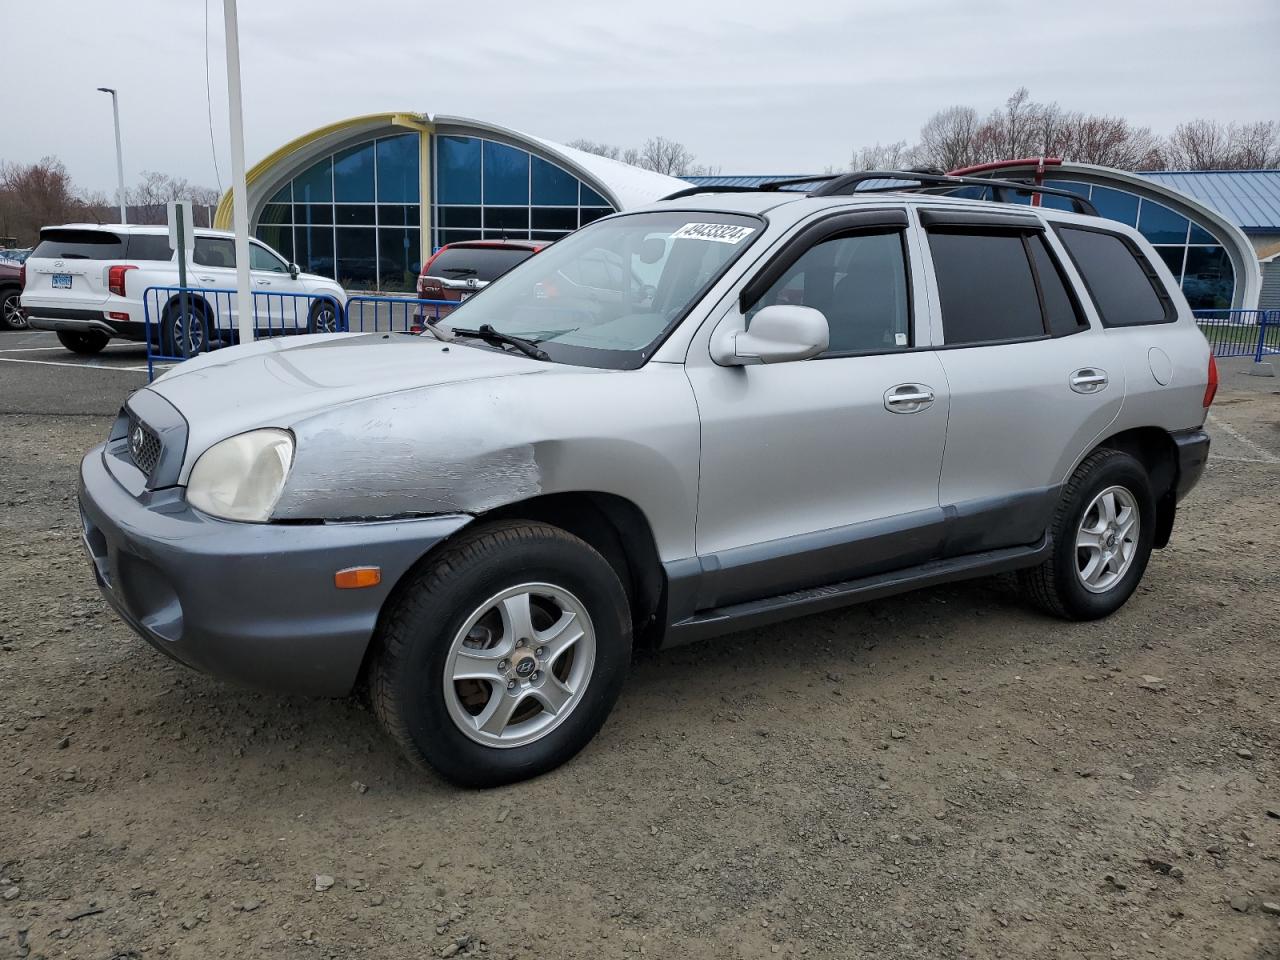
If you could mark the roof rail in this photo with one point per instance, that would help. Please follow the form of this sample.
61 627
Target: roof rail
845 184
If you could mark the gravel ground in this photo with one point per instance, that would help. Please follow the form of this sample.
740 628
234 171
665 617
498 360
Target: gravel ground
947 774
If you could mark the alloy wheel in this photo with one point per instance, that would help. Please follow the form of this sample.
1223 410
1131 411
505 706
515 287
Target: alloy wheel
1107 539
14 318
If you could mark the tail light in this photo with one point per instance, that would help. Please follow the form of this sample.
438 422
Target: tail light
1211 388
115 278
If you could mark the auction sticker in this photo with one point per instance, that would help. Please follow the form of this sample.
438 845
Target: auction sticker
715 232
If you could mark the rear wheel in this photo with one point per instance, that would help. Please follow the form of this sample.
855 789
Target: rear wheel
502 658
11 315
89 342
185 334
1102 536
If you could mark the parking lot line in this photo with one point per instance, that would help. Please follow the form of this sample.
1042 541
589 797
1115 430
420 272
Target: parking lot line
1264 455
76 366
43 349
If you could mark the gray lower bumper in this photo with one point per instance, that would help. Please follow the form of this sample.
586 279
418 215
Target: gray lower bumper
71 321
251 603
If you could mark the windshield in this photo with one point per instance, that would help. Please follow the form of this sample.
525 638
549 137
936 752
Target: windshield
607 295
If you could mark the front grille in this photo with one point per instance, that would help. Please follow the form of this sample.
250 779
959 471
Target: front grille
144 445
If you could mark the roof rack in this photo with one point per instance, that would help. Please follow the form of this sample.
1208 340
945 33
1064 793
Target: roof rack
845 184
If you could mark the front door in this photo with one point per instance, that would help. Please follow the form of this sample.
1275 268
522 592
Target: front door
825 470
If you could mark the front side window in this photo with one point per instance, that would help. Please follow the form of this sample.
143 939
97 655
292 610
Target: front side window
859 283
1122 285
260 258
986 286
609 294
215 252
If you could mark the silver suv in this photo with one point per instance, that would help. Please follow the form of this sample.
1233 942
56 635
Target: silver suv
789 402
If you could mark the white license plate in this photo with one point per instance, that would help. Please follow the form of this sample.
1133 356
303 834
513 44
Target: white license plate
62 281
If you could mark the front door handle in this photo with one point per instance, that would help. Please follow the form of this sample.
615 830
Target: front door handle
908 398
1088 380
206 279
263 283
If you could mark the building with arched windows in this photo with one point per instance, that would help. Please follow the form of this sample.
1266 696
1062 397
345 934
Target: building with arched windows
361 199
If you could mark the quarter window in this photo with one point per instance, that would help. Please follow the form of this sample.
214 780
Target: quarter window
987 290
1120 283
859 282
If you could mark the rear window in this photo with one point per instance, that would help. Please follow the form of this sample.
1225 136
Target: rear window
481 263
156 247
79 245
1121 282
986 286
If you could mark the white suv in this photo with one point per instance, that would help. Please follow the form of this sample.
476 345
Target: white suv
87 281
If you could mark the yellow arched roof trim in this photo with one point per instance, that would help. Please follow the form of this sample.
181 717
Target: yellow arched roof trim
415 121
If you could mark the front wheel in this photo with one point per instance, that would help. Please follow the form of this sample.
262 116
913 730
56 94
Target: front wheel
323 317
87 343
503 656
1102 537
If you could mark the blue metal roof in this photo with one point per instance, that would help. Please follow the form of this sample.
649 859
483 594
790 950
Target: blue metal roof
1248 198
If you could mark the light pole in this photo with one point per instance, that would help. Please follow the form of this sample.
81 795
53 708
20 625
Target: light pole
239 190
115 111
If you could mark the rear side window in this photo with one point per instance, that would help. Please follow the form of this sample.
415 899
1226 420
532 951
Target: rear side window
150 247
1121 282
1061 311
214 252
481 263
79 245
987 290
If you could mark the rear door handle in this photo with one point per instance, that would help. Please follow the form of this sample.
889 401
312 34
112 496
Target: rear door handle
1088 380
908 398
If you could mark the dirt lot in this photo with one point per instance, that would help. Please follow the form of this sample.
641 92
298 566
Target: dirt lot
945 774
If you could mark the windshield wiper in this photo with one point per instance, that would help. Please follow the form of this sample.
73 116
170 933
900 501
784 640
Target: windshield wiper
462 271
489 335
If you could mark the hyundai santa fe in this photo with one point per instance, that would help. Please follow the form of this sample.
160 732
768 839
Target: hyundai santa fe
781 402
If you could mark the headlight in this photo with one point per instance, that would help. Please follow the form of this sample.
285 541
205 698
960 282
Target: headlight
241 478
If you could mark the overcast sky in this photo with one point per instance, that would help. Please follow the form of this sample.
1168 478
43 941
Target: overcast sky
747 85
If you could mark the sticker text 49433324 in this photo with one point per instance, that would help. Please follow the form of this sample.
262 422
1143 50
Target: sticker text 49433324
715 232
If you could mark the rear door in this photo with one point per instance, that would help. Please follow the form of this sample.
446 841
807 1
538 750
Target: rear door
1033 385
68 268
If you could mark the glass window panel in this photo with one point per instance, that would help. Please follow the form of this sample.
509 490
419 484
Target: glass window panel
214 252
276 213
589 214
1082 189
458 216
506 174
1172 257
353 175
315 184
1209 281
1159 224
278 238
283 195
357 257
555 218
398 169
1060 309
592 199
1200 235
973 192
986 287
313 213
262 259
399 259
457 236
551 236
314 249
1116 204
552 186
1117 280
506 218
358 214
392 214
457 170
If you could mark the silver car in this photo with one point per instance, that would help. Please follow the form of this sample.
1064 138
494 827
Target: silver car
789 402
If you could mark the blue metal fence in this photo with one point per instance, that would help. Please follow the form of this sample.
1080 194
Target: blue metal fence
1241 333
181 322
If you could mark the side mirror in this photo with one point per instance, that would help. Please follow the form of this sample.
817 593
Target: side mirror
294 271
778 334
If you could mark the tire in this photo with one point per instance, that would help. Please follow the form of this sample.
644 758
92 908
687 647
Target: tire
11 315
1096 565
323 317
87 343
421 636
182 338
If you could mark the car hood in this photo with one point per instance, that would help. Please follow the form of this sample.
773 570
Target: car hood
278 381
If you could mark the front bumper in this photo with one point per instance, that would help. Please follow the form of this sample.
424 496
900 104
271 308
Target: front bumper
251 603
1193 454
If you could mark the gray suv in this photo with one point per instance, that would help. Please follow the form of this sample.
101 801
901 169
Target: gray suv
782 402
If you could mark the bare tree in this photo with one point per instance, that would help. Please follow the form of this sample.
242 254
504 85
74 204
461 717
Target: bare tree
665 156
35 195
947 137
599 149
1212 145
885 156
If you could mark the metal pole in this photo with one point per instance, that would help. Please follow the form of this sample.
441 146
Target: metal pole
239 191
115 112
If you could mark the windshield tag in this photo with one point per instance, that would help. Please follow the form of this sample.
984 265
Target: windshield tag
715 232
